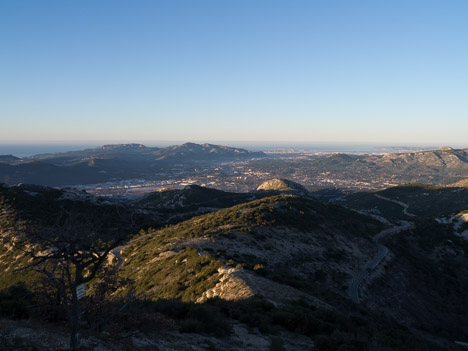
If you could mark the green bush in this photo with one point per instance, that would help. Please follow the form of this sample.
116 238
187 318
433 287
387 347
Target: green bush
15 302
212 321
191 325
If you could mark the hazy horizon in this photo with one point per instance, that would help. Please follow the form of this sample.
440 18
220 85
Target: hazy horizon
30 149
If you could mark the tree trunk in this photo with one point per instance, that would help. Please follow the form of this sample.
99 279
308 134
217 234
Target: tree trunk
75 321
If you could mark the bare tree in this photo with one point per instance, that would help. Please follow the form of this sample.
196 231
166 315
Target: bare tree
67 254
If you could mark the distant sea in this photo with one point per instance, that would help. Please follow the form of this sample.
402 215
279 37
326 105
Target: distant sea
24 150
332 147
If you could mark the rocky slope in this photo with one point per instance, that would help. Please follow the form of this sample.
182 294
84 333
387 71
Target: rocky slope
282 185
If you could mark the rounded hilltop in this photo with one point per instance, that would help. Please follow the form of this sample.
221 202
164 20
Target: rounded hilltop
460 184
283 185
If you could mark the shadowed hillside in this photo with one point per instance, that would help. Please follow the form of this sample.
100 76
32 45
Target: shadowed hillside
422 200
280 266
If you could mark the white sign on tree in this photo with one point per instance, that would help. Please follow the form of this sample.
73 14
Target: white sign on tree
80 291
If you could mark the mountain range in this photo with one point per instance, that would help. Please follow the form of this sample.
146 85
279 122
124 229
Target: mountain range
440 166
352 171
111 162
445 157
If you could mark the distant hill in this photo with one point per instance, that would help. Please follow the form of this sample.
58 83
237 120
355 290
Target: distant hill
179 204
176 153
367 171
111 162
8 158
191 151
453 160
194 196
282 185
445 157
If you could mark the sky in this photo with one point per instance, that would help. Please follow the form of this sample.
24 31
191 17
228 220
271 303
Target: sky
245 70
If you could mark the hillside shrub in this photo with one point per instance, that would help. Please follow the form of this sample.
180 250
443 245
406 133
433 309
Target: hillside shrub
15 302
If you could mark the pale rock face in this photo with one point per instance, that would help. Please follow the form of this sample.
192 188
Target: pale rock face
282 185
238 284
464 217
231 286
460 184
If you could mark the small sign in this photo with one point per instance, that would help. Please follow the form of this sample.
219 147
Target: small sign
80 291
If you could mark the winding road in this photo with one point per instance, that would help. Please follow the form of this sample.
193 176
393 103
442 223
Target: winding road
117 252
402 204
383 250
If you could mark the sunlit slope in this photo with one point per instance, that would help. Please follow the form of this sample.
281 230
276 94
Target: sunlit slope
290 240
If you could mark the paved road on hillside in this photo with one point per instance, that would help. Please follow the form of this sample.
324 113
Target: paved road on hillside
383 250
117 252
402 204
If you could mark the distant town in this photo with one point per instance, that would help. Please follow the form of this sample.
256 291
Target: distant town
245 176
132 169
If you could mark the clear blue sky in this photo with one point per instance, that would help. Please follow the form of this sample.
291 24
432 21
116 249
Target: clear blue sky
253 70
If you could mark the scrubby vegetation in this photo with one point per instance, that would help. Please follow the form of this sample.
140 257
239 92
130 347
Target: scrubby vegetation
16 302
192 198
182 260
431 266
281 210
167 270
184 275
328 329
